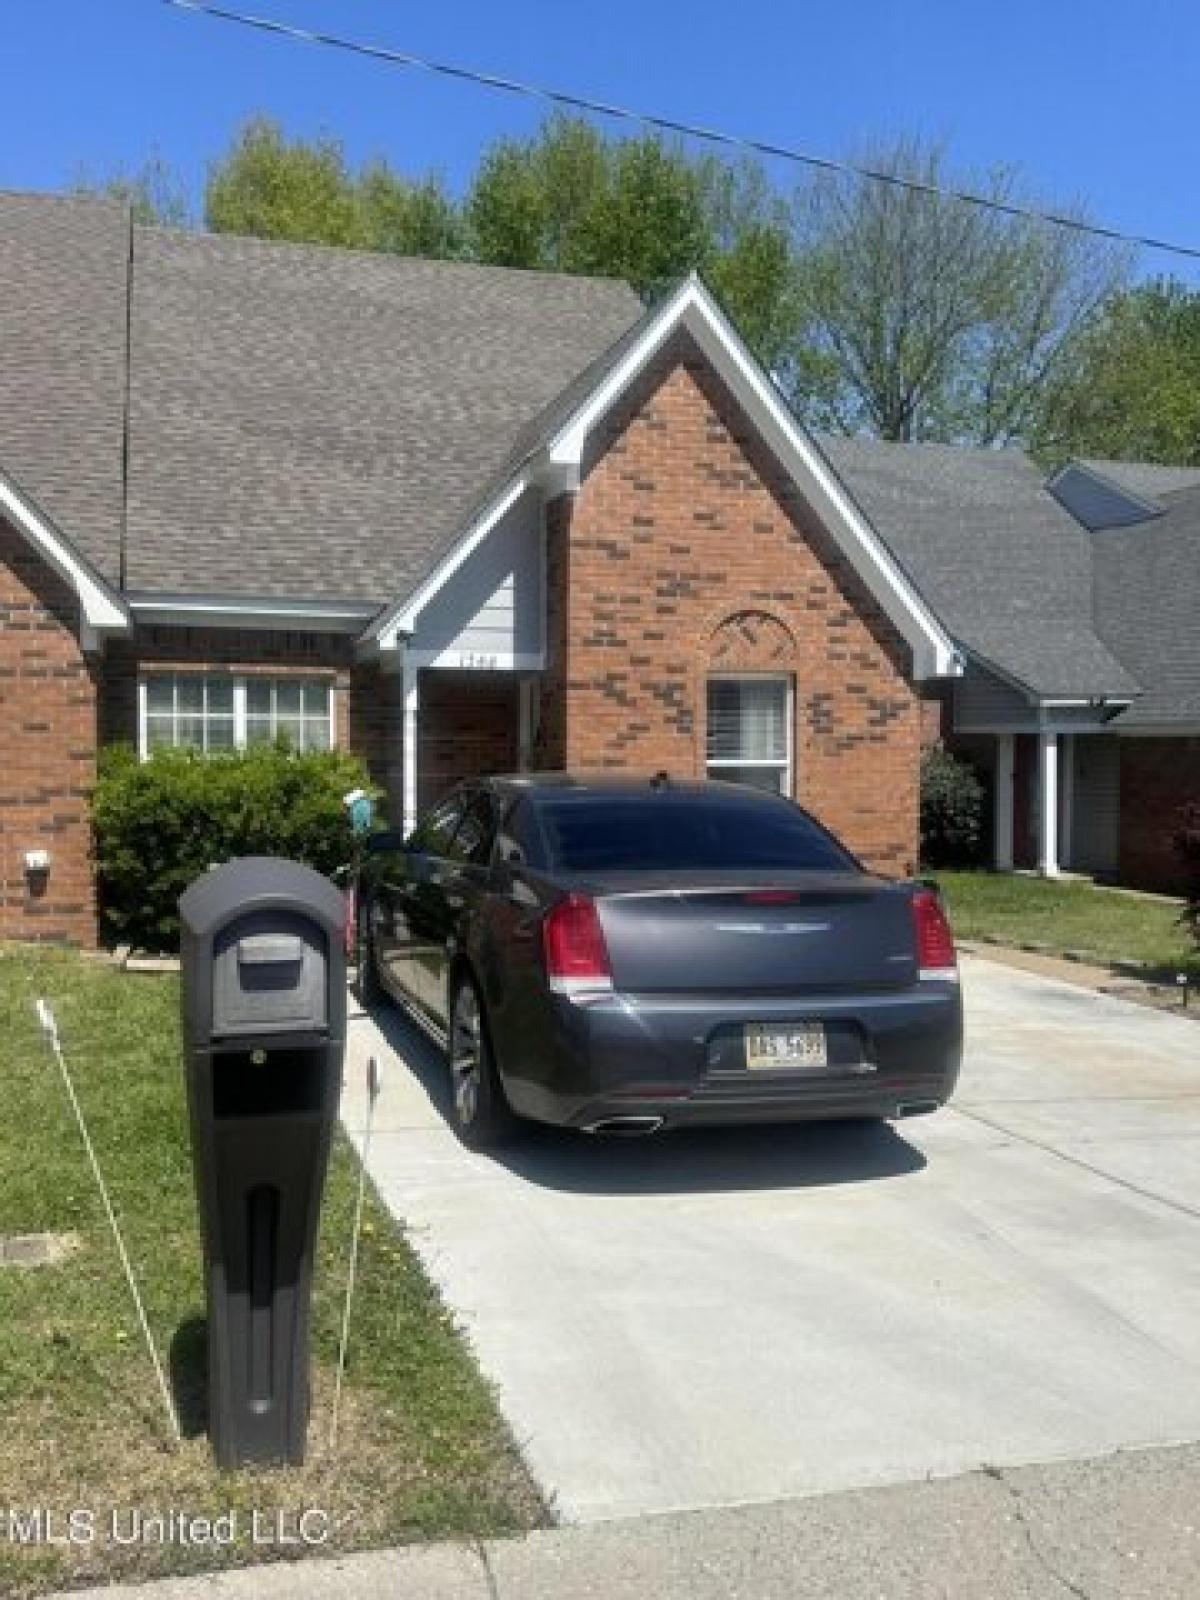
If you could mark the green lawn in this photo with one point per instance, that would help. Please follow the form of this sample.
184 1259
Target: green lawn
424 1453
1069 916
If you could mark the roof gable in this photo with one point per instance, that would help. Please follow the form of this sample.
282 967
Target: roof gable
555 458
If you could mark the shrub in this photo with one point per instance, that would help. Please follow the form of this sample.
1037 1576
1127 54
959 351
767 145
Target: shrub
1187 846
160 823
952 809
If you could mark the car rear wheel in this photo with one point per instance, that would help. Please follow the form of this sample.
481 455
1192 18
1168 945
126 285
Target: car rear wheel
482 1117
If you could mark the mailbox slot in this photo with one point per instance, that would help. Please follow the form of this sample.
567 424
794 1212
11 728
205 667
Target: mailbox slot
287 1082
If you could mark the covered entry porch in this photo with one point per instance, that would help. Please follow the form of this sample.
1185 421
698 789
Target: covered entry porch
1052 768
1056 803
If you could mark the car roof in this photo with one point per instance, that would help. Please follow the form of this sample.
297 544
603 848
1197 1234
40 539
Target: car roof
586 784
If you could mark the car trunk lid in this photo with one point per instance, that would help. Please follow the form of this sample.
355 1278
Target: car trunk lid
757 933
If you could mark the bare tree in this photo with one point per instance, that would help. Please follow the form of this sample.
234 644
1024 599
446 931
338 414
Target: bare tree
932 318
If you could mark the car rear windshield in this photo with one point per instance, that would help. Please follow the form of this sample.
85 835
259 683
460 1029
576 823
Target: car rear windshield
685 832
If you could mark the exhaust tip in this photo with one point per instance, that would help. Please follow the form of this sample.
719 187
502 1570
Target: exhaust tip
630 1127
917 1108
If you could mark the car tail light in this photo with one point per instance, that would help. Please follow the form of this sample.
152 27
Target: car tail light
936 958
573 941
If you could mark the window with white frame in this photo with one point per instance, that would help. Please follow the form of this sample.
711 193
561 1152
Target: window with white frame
750 731
224 711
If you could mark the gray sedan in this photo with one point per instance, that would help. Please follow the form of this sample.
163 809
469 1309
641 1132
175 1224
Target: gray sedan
624 955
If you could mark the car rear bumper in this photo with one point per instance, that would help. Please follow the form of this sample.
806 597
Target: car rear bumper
680 1059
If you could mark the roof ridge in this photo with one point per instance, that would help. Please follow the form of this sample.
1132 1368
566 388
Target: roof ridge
66 197
363 252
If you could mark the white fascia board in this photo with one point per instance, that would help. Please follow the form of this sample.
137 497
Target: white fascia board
1096 700
101 609
693 307
398 623
216 611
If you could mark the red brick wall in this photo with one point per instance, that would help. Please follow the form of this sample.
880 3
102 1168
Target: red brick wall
685 552
936 719
47 752
1157 777
468 726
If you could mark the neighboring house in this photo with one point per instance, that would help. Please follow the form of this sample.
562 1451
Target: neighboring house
453 517
1076 604
461 519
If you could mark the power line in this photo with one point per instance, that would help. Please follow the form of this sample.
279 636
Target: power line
602 108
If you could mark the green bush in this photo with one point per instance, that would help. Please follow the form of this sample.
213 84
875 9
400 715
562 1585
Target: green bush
160 823
952 811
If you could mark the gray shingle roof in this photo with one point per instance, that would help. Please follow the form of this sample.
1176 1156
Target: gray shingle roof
1148 608
304 422
309 421
1007 570
62 363
317 424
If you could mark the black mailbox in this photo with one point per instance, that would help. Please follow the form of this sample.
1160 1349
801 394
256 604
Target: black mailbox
264 1025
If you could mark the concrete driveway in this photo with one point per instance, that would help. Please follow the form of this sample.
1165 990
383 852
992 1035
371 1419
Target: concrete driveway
747 1315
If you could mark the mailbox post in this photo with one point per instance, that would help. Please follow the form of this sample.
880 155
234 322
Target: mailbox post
264 1023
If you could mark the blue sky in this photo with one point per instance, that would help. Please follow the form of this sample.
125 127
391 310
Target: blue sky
1095 101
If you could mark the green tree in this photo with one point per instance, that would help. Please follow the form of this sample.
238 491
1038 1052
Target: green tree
751 265
928 318
1133 390
274 188
569 200
409 219
154 191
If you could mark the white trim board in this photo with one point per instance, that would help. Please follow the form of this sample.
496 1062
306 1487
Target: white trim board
693 308
101 609
215 611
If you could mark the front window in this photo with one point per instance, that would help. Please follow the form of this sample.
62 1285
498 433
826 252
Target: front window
224 711
750 731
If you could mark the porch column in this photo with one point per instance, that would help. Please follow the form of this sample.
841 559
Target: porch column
1066 824
1005 777
409 746
1048 864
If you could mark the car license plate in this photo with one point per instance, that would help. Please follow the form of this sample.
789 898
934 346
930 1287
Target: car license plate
789 1045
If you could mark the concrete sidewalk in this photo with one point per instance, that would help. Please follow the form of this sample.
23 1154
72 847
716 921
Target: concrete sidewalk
1123 1527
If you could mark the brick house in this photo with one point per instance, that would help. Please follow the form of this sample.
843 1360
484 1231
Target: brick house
454 518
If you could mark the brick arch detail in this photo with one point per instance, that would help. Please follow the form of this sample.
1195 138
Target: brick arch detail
751 639
748 639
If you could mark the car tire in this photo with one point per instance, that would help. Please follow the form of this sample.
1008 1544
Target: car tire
479 1108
